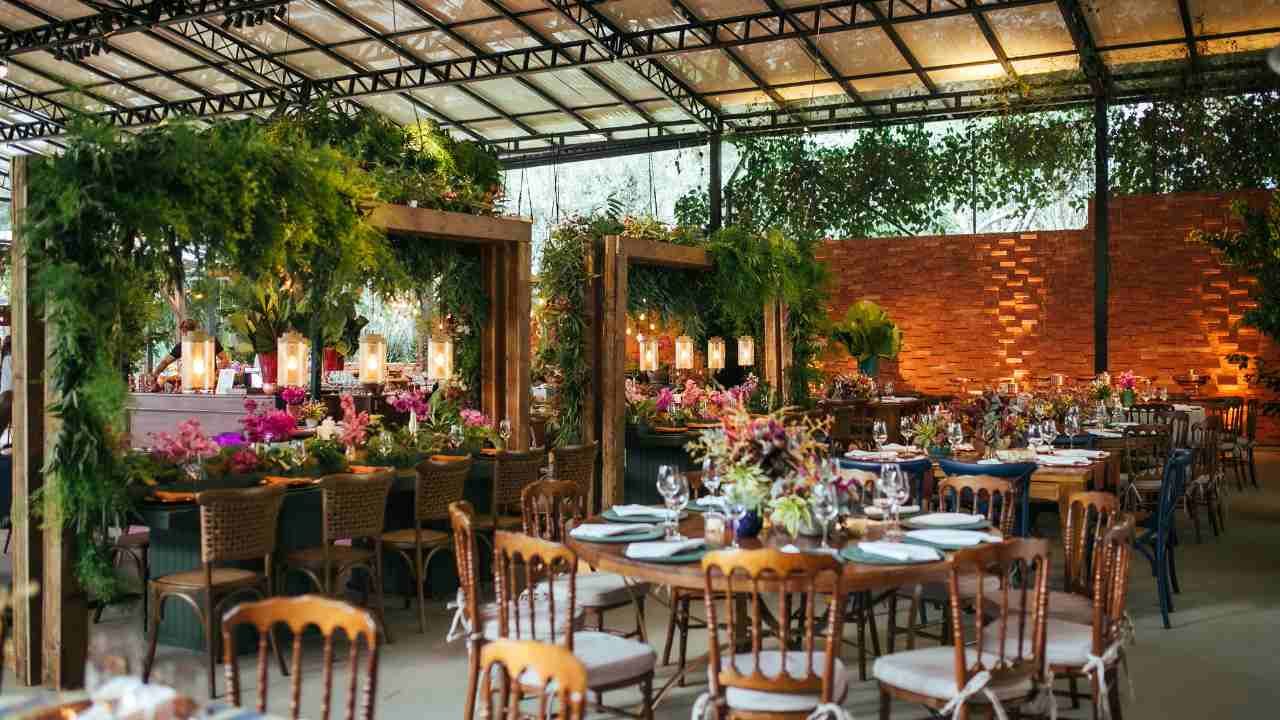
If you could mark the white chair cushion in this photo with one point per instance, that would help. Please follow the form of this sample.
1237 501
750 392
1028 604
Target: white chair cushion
771 665
539 628
609 659
1066 643
601 590
931 672
1071 607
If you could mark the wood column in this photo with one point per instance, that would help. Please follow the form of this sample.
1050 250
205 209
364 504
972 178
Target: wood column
516 310
492 354
613 362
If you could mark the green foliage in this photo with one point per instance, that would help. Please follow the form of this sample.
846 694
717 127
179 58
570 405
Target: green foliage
866 332
1255 250
400 449
259 313
328 456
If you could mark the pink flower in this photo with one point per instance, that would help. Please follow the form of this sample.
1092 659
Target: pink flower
293 395
474 418
354 424
1127 380
410 400
266 426
692 394
244 461
635 393
665 398
189 445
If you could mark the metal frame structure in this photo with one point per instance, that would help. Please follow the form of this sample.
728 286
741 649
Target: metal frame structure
504 68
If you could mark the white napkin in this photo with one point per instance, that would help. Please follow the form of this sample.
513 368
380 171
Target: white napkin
963 447
1060 461
947 519
1106 433
1079 452
874 512
638 511
896 399
1185 408
906 552
895 447
1126 424
962 538
794 550
590 530
989 461
662 548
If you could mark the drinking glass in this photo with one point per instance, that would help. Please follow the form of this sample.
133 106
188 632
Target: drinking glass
888 486
825 509
667 487
455 435
504 431
711 479
1072 424
737 511
1033 437
888 388
676 504
904 425
955 434
900 498
879 433
1049 432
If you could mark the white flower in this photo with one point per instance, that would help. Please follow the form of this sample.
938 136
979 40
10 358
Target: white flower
327 429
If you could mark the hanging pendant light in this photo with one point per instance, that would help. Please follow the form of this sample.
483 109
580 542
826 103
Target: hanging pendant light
373 359
746 351
440 358
649 355
715 353
684 353
198 370
293 353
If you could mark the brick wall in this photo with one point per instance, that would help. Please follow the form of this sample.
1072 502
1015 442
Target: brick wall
987 306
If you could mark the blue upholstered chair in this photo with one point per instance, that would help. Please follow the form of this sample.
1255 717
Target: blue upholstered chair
1019 473
1157 535
920 471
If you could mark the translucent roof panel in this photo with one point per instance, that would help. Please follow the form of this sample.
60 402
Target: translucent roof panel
1118 22
783 61
861 52
946 41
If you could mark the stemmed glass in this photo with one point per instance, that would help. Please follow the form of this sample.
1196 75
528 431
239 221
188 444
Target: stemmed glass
669 482
504 431
1049 432
710 479
825 508
890 485
904 424
455 435
1033 437
737 511
955 434
879 433
1072 424
677 503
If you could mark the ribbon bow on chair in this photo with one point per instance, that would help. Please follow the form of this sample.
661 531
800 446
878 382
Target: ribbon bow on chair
977 684
459 627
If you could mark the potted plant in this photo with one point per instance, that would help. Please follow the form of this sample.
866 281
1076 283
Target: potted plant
261 313
313 413
1128 383
869 335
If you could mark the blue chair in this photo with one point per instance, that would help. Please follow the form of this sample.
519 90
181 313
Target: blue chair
1157 535
1019 473
1083 440
918 470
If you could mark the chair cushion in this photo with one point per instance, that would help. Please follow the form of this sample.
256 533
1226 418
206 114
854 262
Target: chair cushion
931 672
537 628
403 539
222 577
1069 606
771 664
601 590
610 659
342 555
1066 643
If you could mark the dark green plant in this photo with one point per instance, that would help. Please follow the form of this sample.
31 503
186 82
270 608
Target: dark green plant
328 456
867 332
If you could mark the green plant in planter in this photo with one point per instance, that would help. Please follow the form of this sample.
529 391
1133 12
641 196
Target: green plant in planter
868 334
262 313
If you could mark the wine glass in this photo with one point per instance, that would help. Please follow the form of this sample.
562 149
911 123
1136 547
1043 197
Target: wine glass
889 485
1072 423
1033 437
825 509
676 504
710 478
737 511
888 388
955 434
1049 432
504 431
879 433
667 487
455 435
904 425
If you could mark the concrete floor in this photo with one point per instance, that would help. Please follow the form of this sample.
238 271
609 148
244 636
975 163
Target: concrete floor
1219 658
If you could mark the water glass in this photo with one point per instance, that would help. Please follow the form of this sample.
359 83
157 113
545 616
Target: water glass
825 509
889 486
676 504
1072 424
888 388
904 425
1049 432
504 431
710 478
879 433
955 434
667 488
737 511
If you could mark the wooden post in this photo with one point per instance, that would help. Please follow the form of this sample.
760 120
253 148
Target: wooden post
28 445
516 308
1101 234
492 376
613 359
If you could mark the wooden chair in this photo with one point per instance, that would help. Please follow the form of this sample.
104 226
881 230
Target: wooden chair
134 548
535 577
437 484
235 526
1157 537
987 661
354 508
551 508
1205 482
991 497
1072 646
299 614
1147 413
1090 516
512 471
1250 439
795 674
1141 464
577 464
1230 414
560 688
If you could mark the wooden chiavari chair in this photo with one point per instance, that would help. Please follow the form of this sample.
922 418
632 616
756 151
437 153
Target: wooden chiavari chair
1142 464
991 497
1205 482
556 679
1147 413
997 660
577 464
796 670
436 485
298 614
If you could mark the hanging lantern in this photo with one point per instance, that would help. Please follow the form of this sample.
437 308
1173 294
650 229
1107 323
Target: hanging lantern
684 353
198 370
715 353
293 353
373 359
440 358
649 355
746 351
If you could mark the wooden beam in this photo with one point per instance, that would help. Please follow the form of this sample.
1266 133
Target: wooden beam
28 445
516 310
613 349
772 350
648 252
492 358
457 227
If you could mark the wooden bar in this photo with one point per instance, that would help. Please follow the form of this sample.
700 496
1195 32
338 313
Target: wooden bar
457 227
28 446
161 412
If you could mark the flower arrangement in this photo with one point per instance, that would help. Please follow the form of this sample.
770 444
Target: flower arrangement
189 445
765 463
851 387
410 401
244 461
326 456
267 425
929 430
1100 388
355 425
1128 381
293 395
314 411
1001 422
476 428
400 448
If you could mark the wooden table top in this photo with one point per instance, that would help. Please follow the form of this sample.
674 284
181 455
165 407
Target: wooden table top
611 557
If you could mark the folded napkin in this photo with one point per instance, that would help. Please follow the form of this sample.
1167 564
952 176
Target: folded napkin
639 511
947 519
1106 433
962 447
961 538
905 552
1075 452
874 512
794 550
1185 408
590 530
989 461
1060 461
871 455
895 447
663 548
896 399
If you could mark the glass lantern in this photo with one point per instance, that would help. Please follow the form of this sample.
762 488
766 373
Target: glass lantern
373 359
440 358
746 351
293 354
684 353
715 353
649 355
198 368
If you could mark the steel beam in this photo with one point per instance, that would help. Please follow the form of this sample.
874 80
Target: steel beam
1101 234
882 19
1090 61
1193 53
997 48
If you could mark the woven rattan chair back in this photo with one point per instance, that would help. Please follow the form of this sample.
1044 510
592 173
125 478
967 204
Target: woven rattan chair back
551 507
238 524
536 587
355 506
1090 516
512 472
771 577
1010 644
462 518
299 614
991 497
576 464
439 483
507 670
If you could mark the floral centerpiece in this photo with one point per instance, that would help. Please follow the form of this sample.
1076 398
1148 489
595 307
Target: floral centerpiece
294 397
641 409
413 403
314 412
766 465
1100 388
928 431
1128 383
400 449
188 449
476 429
1001 422
851 387
355 425
266 425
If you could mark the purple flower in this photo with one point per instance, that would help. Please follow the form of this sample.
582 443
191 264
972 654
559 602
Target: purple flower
665 398
229 439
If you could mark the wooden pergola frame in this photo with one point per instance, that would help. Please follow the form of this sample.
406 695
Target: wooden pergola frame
50 629
608 264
